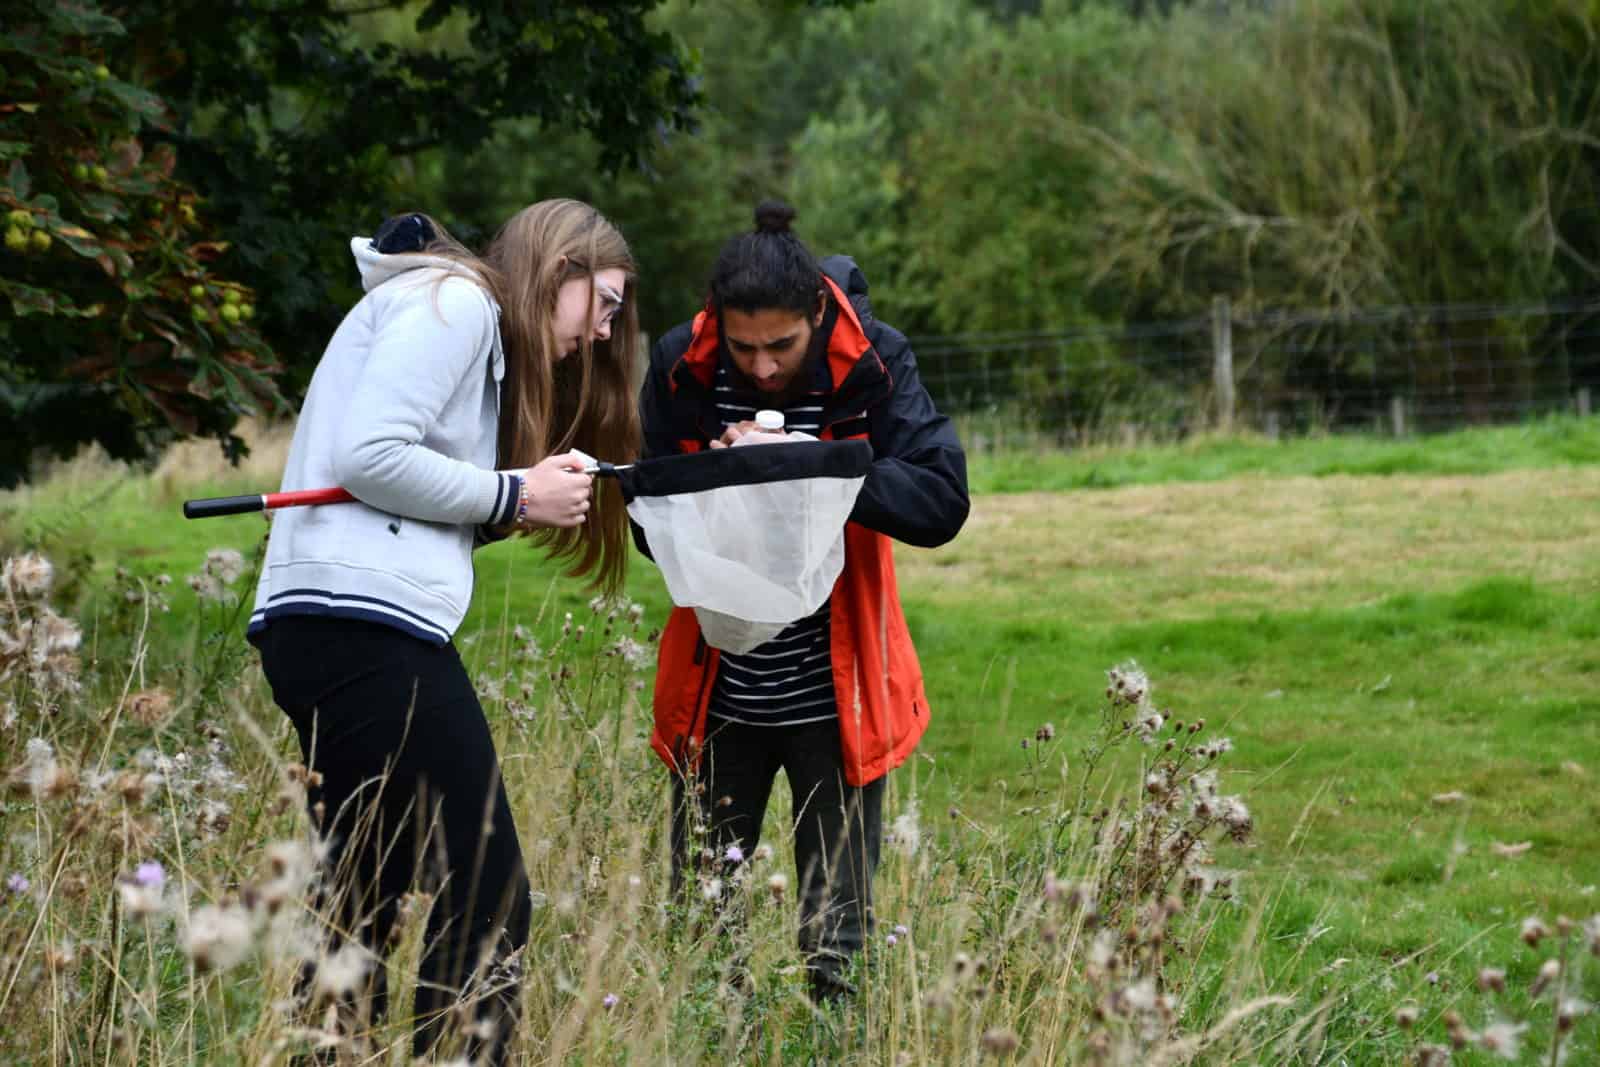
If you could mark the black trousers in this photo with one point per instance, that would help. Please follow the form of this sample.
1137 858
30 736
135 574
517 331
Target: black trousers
838 830
410 798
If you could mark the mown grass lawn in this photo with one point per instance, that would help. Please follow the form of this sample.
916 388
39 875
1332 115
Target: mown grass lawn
1401 638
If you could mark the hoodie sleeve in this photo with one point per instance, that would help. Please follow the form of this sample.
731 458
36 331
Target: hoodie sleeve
427 342
916 491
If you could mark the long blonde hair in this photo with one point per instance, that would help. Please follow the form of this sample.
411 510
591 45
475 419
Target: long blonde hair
549 405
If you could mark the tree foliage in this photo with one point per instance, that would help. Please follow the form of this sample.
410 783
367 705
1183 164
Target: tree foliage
1025 169
815 103
116 324
996 167
1353 154
268 131
296 118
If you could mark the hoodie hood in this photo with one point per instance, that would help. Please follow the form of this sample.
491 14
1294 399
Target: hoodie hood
844 273
379 267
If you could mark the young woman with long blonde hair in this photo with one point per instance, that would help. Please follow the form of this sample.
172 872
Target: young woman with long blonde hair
448 403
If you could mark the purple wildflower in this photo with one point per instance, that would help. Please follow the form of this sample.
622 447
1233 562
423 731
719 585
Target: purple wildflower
735 854
17 884
150 874
608 1001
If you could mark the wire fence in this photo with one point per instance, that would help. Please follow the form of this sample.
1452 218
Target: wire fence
1394 370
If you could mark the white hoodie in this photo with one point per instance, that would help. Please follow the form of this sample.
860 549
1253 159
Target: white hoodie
402 411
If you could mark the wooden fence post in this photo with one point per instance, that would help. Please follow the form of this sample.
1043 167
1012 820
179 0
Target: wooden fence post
1584 402
1397 415
1222 360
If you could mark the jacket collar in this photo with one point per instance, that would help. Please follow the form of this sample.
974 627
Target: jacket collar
848 345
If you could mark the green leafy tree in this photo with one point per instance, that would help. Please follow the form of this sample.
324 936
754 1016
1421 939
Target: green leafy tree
811 102
1342 155
1357 153
299 120
115 323
1019 255
248 140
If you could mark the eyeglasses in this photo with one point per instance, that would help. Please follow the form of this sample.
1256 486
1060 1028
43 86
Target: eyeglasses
610 303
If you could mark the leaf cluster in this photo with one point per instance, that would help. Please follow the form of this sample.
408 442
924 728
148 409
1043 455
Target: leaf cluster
116 324
301 119
285 124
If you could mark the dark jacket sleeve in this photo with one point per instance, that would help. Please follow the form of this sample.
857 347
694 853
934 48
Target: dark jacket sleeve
655 413
655 396
916 491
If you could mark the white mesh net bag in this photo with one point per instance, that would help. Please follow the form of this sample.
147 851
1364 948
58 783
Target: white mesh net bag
751 538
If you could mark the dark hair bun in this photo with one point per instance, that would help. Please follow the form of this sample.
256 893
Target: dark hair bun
773 216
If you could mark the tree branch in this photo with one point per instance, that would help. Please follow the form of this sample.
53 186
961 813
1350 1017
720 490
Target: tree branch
367 9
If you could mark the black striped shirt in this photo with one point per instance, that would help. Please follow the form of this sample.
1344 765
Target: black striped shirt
788 680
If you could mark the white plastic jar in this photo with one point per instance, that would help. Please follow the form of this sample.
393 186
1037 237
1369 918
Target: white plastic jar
769 429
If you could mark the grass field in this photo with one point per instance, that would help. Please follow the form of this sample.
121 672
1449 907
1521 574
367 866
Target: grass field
1402 639
1369 643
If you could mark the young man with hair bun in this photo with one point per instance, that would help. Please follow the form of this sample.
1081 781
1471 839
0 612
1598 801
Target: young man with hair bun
835 700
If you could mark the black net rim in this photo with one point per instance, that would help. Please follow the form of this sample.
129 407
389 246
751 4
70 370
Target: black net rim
718 468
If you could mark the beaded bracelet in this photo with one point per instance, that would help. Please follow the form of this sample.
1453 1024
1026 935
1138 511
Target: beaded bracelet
522 501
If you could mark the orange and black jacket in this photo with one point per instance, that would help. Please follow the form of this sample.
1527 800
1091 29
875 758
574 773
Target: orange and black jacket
916 492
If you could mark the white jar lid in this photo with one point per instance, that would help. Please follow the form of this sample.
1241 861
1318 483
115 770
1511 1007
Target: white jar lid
767 419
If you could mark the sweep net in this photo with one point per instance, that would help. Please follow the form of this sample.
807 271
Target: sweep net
751 538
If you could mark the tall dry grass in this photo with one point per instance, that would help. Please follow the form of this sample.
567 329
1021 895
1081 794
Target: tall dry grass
161 878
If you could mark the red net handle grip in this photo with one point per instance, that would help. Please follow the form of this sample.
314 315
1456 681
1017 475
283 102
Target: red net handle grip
239 505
